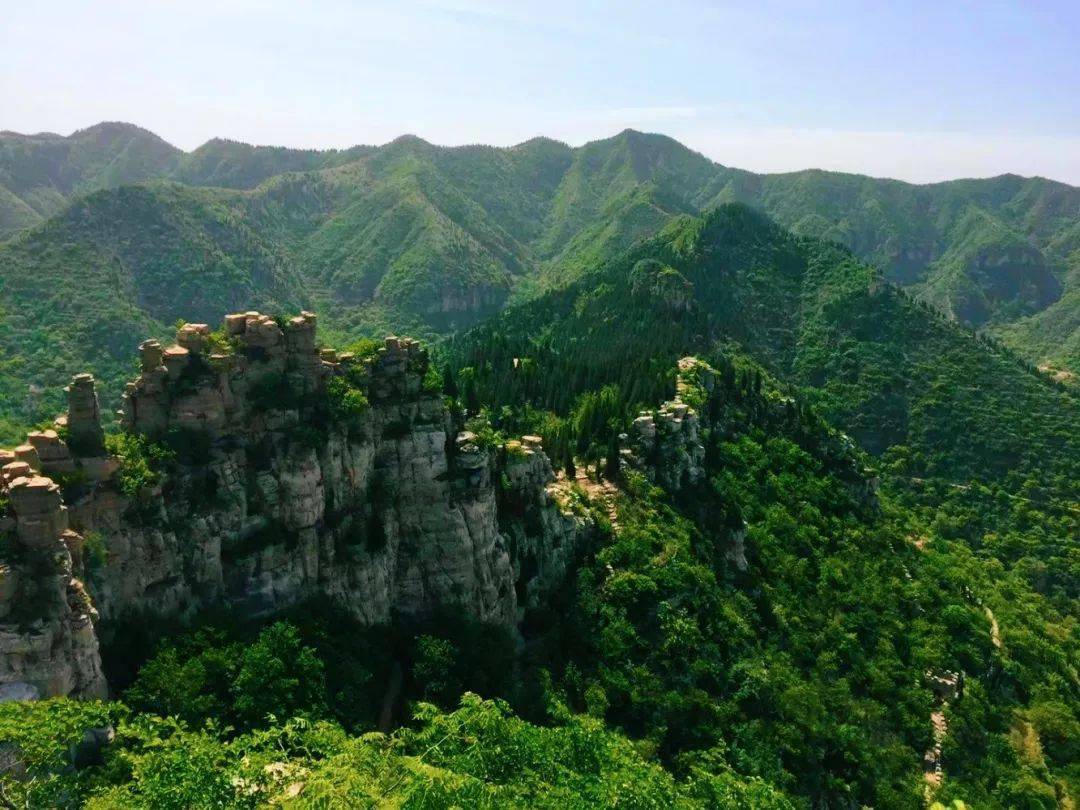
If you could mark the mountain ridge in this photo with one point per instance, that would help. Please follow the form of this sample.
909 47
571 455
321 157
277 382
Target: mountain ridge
431 239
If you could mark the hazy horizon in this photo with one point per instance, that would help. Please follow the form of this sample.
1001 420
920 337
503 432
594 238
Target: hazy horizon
920 91
518 143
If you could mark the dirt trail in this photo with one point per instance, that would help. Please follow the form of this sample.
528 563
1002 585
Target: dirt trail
602 493
932 758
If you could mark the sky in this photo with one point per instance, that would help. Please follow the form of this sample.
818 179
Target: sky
922 91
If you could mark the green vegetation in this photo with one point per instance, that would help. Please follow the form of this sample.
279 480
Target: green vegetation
665 673
142 461
761 637
475 756
427 240
984 473
39 173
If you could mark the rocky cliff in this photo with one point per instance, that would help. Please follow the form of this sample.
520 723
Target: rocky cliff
255 470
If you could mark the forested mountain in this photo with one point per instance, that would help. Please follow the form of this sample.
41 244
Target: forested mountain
977 455
760 614
931 398
40 173
811 543
436 238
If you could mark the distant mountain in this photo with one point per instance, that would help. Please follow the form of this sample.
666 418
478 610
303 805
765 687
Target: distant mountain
231 164
411 236
40 173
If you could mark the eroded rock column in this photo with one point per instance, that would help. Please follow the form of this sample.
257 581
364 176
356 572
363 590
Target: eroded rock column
48 646
85 436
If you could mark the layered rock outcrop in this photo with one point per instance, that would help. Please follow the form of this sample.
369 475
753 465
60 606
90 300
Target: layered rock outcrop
543 539
666 443
47 640
256 471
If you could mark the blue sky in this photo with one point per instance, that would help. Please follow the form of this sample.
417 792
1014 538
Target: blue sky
917 90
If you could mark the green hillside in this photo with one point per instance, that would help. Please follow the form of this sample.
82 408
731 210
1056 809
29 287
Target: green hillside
672 669
960 424
814 315
430 240
978 459
764 633
987 251
231 164
44 171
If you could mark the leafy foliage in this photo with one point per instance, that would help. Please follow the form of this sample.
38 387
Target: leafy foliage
142 461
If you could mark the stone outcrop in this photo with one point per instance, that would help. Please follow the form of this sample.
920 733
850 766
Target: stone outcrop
544 540
666 443
295 472
84 417
47 640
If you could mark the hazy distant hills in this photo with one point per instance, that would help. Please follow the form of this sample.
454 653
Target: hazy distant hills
113 233
40 173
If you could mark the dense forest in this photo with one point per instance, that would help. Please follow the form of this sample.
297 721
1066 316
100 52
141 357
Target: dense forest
866 595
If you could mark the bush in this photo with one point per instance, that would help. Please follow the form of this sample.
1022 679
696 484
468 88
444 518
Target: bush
142 461
346 401
95 552
279 677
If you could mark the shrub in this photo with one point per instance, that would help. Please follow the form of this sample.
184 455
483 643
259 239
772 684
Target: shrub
279 677
142 461
95 552
432 382
346 401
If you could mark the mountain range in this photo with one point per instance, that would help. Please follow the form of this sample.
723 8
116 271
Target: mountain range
111 233
791 521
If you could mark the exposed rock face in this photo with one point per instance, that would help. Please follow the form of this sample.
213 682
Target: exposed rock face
543 539
288 485
666 443
84 417
47 640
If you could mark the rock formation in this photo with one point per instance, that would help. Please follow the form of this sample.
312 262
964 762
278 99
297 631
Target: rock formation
260 471
666 443
47 640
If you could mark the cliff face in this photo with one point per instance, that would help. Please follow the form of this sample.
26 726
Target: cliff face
47 640
273 472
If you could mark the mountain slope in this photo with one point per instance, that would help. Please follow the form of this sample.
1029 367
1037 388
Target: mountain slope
45 170
766 628
978 455
84 288
231 164
987 251
888 369
998 240
411 236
